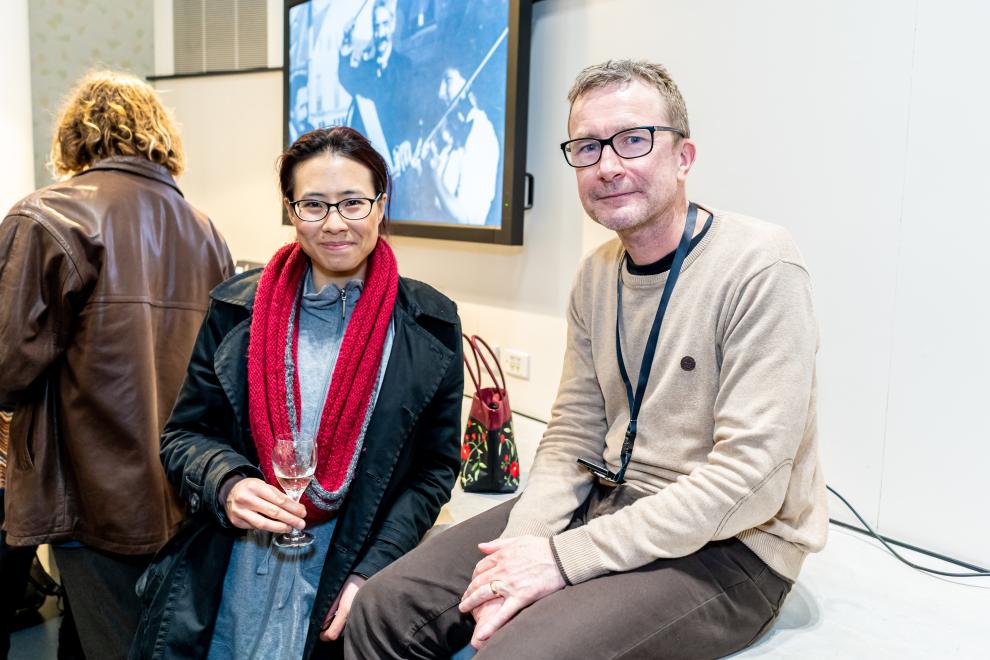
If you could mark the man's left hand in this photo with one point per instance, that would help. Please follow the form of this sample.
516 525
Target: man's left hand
333 624
520 571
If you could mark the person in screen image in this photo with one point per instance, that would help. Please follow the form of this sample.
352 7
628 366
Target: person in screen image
104 281
465 168
299 113
669 521
329 341
381 81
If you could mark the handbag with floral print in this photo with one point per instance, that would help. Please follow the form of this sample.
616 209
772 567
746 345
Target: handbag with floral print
489 461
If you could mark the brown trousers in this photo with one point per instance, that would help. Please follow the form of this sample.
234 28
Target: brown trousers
706 605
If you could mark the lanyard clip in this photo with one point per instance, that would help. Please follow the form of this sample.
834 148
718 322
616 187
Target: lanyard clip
630 439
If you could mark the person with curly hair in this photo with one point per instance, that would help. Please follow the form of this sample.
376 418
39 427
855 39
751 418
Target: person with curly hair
104 281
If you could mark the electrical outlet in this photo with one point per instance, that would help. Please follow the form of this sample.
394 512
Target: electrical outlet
515 363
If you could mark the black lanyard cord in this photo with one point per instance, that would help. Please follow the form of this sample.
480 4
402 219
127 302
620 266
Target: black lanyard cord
635 401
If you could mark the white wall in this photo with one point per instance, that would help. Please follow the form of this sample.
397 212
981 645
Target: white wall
802 110
860 126
17 164
936 450
231 130
164 44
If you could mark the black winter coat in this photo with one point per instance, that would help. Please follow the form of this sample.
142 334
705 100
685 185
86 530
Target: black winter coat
405 473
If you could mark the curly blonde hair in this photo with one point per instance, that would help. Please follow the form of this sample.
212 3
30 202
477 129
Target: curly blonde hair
114 114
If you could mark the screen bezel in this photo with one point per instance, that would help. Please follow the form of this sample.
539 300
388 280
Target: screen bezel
512 197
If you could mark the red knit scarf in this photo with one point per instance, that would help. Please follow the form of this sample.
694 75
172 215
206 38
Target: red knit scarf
354 376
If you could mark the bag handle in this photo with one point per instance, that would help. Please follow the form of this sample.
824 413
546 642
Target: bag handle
476 372
475 339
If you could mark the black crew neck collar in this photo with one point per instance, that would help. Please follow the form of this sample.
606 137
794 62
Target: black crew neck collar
663 264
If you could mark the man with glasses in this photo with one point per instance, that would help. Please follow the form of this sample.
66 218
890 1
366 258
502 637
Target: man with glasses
677 490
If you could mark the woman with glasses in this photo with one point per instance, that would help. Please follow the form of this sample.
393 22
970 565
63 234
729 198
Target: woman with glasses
327 341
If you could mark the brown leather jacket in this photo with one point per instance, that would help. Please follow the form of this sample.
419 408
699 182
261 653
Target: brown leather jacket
104 281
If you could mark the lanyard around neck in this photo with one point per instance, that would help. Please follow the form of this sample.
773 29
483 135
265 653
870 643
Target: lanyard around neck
636 400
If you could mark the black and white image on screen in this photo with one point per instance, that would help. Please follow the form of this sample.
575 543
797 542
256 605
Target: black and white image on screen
425 81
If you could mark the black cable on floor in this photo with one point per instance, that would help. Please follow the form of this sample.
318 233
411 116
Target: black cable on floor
908 546
887 543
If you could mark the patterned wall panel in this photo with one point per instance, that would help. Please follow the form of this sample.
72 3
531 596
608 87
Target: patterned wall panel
219 35
70 37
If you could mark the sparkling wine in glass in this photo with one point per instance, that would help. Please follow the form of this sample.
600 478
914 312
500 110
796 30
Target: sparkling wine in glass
294 463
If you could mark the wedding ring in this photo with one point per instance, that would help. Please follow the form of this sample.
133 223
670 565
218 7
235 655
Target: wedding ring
491 585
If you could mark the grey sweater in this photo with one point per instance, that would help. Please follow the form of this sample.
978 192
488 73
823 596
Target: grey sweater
727 442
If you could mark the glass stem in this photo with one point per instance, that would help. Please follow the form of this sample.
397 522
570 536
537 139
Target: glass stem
294 532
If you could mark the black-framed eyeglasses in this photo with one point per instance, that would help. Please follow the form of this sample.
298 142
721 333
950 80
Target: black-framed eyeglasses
628 143
352 208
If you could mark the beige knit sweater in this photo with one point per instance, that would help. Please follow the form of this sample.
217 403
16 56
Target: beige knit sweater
726 448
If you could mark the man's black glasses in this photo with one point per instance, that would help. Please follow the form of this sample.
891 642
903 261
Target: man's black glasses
629 143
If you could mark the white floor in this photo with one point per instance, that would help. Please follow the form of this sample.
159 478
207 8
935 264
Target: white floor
853 600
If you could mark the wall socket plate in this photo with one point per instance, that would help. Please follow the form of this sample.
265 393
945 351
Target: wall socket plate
515 363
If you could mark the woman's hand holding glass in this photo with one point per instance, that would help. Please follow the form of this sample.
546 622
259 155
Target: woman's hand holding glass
294 462
254 504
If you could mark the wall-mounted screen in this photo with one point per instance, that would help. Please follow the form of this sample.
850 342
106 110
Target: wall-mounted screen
440 87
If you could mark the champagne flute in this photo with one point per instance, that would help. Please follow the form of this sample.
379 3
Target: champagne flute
294 463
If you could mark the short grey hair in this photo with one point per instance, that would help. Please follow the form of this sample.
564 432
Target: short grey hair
619 72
